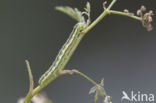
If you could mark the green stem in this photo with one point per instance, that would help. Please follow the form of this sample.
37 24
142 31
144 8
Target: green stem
86 77
100 17
111 4
35 91
108 11
39 88
124 14
96 21
29 95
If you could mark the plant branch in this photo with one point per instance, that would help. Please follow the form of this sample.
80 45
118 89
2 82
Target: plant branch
63 72
85 76
125 14
100 17
108 11
31 83
111 4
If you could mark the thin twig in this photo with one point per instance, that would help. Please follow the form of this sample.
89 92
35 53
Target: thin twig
125 14
100 17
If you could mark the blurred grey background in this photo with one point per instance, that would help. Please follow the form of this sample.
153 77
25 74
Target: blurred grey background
118 49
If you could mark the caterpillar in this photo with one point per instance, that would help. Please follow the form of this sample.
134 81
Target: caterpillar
64 54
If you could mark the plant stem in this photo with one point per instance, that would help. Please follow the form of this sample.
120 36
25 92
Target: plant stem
39 88
111 4
85 76
96 21
35 91
29 95
125 14
100 17
108 11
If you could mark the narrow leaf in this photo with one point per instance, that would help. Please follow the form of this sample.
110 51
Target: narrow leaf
87 9
30 77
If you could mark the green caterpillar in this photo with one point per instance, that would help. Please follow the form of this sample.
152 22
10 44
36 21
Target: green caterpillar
64 54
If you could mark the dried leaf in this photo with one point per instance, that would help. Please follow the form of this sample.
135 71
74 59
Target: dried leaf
99 91
93 90
102 82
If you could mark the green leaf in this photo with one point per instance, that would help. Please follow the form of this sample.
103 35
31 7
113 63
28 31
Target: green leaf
87 9
30 77
73 13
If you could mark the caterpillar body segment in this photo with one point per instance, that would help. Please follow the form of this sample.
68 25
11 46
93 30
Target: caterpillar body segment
64 54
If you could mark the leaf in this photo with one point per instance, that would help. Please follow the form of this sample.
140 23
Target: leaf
73 13
30 77
102 82
87 9
99 91
87 12
93 90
